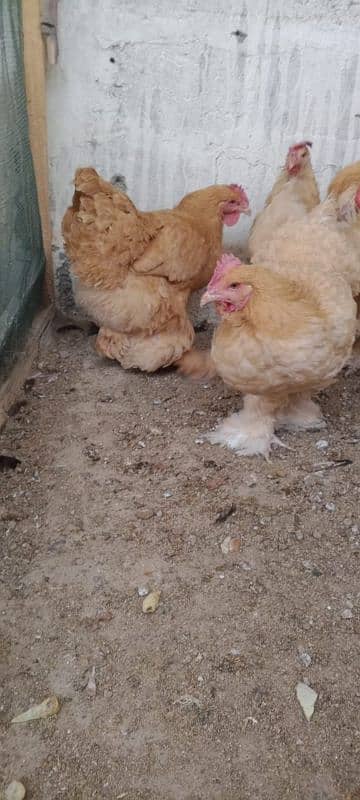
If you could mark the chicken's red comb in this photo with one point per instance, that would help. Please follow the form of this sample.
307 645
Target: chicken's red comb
239 190
224 263
299 146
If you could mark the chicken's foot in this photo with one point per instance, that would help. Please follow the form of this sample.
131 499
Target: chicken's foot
251 431
300 414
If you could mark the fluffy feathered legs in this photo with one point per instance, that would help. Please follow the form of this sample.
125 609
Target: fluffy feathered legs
300 414
252 431
148 353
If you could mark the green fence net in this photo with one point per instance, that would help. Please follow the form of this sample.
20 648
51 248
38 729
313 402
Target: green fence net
21 253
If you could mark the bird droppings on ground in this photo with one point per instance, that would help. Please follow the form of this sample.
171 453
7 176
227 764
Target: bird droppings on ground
81 537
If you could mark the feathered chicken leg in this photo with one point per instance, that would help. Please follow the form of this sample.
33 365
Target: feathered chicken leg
251 431
148 353
300 414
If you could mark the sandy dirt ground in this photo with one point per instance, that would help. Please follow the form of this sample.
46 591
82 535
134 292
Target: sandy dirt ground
116 490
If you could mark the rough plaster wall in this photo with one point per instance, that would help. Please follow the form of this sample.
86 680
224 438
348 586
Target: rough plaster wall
167 94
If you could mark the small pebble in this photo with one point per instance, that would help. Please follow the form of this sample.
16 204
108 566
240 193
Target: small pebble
15 791
251 480
322 444
330 506
307 698
167 493
143 591
230 545
304 658
145 513
347 613
235 651
199 441
199 658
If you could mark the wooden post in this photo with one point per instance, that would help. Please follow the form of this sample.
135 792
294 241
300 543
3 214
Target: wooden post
35 82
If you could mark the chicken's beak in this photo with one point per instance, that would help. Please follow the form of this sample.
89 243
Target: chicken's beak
247 211
208 297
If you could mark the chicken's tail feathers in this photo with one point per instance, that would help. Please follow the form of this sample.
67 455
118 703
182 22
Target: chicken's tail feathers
197 364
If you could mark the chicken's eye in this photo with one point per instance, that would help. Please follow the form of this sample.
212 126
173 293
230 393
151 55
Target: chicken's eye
234 285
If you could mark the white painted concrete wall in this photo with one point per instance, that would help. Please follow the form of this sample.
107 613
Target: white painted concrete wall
184 102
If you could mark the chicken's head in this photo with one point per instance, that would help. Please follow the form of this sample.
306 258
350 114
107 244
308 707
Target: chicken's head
236 204
297 158
220 201
226 288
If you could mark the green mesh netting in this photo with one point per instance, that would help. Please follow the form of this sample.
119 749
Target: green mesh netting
21 252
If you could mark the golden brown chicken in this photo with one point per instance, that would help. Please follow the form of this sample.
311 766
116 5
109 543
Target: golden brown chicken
344 188
134 270
294 193
346 178
287 328
348 210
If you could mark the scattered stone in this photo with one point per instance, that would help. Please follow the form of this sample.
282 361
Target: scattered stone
307 698
15 791
304 658
250 480
187 701
246 566
322 444
215 483
167 493
151 602
47 708
230 545
199 658
330 507
225 513
347 613
143 591
145 513
91 453
90 687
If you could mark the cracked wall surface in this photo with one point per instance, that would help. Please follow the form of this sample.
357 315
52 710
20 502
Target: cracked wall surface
176 95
